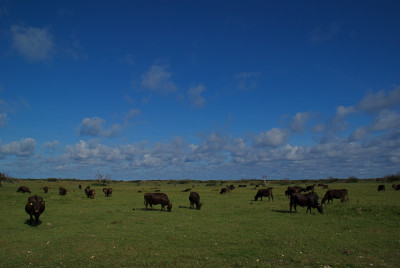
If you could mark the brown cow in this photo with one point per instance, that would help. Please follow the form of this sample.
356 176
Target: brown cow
264 192
23 189
157 198
341 194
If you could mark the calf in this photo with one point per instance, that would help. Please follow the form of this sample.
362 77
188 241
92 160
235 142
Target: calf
194 198
264 192
381 187
336 193
157 198
23 189
35 207
309 200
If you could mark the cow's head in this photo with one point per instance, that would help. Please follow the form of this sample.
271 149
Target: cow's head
169 207
320 209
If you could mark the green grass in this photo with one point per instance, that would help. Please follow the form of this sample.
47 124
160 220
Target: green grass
229 231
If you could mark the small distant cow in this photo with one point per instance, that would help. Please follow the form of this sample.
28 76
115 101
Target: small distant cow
107 192
45 189
294 189
194 198
309 200
23 189
157 198
186 190
381 188
310 188
231 187
91 193
87 190
224 190
62 191
264 192
341 194
35 207
80 186
396 187
242 185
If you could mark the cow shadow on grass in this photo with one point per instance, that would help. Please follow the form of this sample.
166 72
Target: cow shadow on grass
280 211
151 210
28 222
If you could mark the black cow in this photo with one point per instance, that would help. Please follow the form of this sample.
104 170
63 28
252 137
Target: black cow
381 187
62 191
309 200
80 186
396 187
341 194
224 190
157 198
231 187
310 188
194 198
23 189
264 192
45 189
35 207
294 189
242 185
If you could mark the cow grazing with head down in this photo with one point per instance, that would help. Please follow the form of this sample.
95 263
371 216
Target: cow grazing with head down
264 192
23 189
309 200
194 198
35 207
157 198
310 188
45 189
224 190
381 187
396 187
62 191
341 194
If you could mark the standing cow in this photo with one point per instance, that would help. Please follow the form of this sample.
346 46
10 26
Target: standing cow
264 192
309 200
45 189
62 191
194 198
157 198
341 194
381 188
35 207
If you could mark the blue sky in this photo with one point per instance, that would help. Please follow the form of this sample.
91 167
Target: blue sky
199 89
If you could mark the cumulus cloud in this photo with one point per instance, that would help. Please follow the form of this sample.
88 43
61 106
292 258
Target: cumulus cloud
196 100
51 145
34 44
94 127
158 79
373 103
299 121
272 138
23 148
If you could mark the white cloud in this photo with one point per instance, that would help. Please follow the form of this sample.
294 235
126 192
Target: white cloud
196 100
158 79
299 121
24 147
35 44
94 127
272 138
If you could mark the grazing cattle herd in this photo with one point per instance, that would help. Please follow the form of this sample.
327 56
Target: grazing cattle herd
309 199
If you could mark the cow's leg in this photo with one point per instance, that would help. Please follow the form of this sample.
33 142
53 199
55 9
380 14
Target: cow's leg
31 219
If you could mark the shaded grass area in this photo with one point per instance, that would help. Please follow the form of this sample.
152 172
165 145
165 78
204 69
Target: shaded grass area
230 231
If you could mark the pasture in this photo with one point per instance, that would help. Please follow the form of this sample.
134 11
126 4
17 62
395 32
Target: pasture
230 230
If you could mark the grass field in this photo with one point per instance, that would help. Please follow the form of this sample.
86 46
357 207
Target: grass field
230 230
